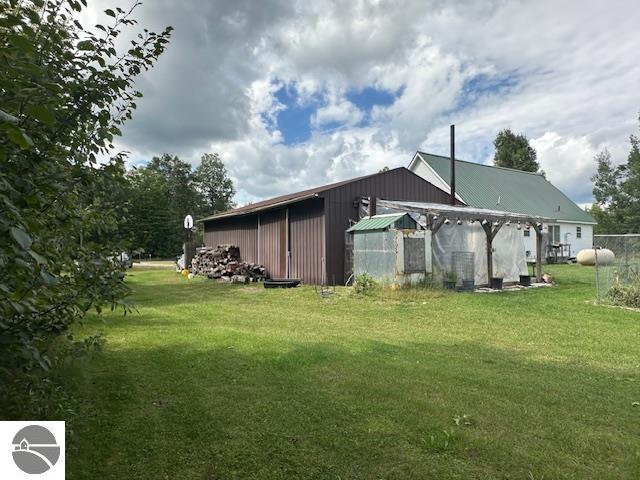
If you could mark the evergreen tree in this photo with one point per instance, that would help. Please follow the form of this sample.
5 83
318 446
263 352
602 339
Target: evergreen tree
616 190
179 178
605 180
606 222
163 192
151 224
215 187
630 187
514 151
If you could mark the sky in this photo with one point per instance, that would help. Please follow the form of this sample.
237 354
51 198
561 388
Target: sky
295 94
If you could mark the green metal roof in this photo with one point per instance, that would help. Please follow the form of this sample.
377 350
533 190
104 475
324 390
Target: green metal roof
505 189
380 222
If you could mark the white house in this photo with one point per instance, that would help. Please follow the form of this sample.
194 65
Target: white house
497 188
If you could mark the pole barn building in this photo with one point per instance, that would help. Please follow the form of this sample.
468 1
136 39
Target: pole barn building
302 235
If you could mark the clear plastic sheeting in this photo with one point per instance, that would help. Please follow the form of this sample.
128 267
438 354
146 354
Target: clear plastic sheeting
395 257
375 253
508 251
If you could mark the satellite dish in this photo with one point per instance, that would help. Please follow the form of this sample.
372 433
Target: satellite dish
188 222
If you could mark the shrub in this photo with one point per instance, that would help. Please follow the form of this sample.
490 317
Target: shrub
451 277
626 295
66 92
364 284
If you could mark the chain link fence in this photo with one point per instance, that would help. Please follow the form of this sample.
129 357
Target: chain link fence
622 276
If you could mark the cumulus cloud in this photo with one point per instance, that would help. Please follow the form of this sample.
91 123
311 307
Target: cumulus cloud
568 163
564 73
337 111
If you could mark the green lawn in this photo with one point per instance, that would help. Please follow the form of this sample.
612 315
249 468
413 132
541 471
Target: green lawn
217 381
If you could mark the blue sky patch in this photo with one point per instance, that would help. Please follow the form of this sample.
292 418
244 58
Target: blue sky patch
294 122
366 98
485 85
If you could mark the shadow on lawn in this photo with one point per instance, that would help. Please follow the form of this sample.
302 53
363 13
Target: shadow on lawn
376 410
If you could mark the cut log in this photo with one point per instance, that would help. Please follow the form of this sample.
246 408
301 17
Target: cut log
224 262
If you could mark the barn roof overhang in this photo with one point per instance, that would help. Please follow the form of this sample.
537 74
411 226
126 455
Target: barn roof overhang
290 198
258 208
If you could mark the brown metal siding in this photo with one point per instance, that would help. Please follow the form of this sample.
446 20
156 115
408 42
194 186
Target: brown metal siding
306 240
316 226
240 231
272 242
340 207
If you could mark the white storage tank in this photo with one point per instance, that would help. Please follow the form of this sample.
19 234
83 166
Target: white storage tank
588 256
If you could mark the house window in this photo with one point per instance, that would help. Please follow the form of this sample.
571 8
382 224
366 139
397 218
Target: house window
554 233
527 232
578 232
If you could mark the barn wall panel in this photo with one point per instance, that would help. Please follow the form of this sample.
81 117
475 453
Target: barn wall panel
306 241
272 242
341 206
316 227
240 231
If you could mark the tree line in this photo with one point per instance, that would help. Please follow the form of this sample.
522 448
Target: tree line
616 185
161 193
616 190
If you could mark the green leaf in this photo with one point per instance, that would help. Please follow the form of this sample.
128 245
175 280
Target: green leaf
21 237
21 42
32 200
42 114
86 45
17 307
33 16
37 257
110 12
47 278
21 263
17 136
44 363
7 117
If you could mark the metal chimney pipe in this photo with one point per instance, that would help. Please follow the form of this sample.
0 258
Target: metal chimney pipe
453 165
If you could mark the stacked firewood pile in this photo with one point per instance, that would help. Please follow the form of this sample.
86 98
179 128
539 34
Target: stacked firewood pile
224 262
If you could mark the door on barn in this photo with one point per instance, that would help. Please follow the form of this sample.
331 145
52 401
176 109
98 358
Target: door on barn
273 241
306 240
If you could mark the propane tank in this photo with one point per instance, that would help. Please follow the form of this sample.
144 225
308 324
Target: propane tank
588 256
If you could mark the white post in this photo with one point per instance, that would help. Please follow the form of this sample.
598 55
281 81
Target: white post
595 252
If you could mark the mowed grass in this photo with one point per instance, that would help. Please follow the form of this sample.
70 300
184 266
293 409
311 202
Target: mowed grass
217 381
